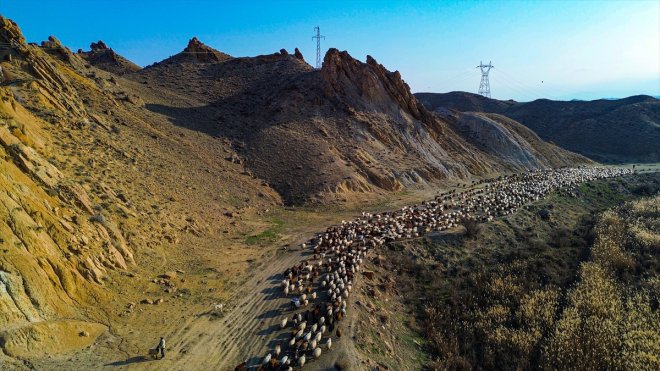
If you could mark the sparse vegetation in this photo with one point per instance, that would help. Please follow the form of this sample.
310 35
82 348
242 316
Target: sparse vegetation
269 235
578 292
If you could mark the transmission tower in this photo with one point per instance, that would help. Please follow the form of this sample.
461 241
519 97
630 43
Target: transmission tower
484 85
318 38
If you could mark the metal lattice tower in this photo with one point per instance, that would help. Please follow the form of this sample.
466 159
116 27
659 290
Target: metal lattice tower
484 85
318 38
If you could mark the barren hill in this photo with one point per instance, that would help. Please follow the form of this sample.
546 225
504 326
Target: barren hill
129 196
97 198
620 130
351 127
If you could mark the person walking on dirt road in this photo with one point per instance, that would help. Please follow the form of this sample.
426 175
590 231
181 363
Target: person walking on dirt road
161 347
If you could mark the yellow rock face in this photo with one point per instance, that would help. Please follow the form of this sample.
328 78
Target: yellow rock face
50 338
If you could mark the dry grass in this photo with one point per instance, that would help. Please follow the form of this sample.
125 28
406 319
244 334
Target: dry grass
579 295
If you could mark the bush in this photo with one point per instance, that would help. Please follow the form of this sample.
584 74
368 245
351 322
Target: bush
472 228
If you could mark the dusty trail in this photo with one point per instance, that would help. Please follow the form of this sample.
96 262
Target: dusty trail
244 328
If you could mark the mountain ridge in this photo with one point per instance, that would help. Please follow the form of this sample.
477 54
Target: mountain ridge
622 130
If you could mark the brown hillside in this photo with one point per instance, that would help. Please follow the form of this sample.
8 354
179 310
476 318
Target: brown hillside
350 127
619 130
98 196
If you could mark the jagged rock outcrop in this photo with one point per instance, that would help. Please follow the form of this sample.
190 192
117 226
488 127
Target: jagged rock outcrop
98 46
103 57
348 80
298 54
200 52
10 33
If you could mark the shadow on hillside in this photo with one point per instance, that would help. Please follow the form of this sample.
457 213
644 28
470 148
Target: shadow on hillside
132 360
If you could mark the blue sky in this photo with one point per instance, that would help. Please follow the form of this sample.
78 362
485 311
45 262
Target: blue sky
551 49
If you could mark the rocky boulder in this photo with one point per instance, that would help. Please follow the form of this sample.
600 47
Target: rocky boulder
298 54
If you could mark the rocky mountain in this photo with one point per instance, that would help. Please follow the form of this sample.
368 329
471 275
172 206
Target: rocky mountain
103 57
347 129
94 192
124 188
606 130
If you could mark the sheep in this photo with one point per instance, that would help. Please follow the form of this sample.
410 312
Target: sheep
312 344
317 353
283 323
301 361
343 248
284 360
278 350
266 359
328 343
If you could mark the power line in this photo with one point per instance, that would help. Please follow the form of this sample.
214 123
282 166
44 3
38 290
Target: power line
318 38
484 85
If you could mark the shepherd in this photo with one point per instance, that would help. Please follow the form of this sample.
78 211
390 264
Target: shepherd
161 347
295 303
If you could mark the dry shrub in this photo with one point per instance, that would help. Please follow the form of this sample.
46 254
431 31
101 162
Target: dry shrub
588 335
606 324
611 234
472 228
645 217
641 334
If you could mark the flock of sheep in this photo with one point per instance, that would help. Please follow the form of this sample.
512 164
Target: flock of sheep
322 285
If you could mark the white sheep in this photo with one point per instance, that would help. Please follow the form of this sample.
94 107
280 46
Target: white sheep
267 359
317 353
301 361
278 350
328 343
283 323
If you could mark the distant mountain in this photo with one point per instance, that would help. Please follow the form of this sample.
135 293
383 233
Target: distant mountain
618 130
